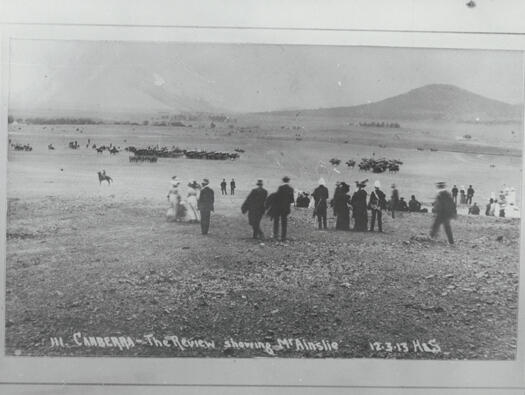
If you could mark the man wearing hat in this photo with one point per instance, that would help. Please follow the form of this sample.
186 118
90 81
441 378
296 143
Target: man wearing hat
281 208
320 196
254 205
205 205
445 210
376 204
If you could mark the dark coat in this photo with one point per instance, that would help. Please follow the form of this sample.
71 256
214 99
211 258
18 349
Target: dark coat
341 201
255 205
206 199
359 201
444 205
474 210
377 200
414 205
320 196
360 213
268 205
282 200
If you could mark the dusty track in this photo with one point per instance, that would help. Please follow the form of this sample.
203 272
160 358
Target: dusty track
109 268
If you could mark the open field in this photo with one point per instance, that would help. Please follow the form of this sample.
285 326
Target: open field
104 262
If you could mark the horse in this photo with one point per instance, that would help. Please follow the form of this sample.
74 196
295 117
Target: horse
103 177
350 163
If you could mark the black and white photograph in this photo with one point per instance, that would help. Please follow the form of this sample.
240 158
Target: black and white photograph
228 200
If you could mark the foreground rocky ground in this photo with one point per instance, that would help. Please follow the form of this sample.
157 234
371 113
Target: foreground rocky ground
108 269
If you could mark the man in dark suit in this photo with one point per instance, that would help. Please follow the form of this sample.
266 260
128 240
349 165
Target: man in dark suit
320 198
470 194
445 210
281 208
254 205
205 205
377 204
223 187
232 186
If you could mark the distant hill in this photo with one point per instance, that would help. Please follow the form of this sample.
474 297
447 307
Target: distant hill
436 101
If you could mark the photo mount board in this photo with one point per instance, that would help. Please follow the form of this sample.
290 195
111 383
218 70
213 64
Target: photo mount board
357 373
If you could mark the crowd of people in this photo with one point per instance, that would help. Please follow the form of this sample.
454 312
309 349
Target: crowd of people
199 203
503 205
499 206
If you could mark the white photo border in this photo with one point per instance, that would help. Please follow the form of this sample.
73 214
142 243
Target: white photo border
281 372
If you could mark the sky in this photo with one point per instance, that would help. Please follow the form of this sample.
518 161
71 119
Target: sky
108 76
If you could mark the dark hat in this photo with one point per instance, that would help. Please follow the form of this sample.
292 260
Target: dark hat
259 182
286 179
205 181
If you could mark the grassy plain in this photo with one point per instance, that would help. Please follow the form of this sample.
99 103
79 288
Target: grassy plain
102 260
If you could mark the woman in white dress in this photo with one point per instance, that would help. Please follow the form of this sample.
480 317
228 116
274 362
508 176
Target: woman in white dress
191 203
176 210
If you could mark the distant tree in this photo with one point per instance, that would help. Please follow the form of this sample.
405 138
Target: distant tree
10 119
145 123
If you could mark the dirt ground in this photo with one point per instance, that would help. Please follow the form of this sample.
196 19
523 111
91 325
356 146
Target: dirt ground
108 268
87 262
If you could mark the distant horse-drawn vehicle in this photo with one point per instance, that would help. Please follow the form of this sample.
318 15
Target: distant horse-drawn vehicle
380 165
176 152
143 158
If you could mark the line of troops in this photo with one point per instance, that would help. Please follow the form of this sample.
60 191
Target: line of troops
277 206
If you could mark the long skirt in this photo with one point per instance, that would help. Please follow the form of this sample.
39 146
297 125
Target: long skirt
192 212
361 220
343 220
